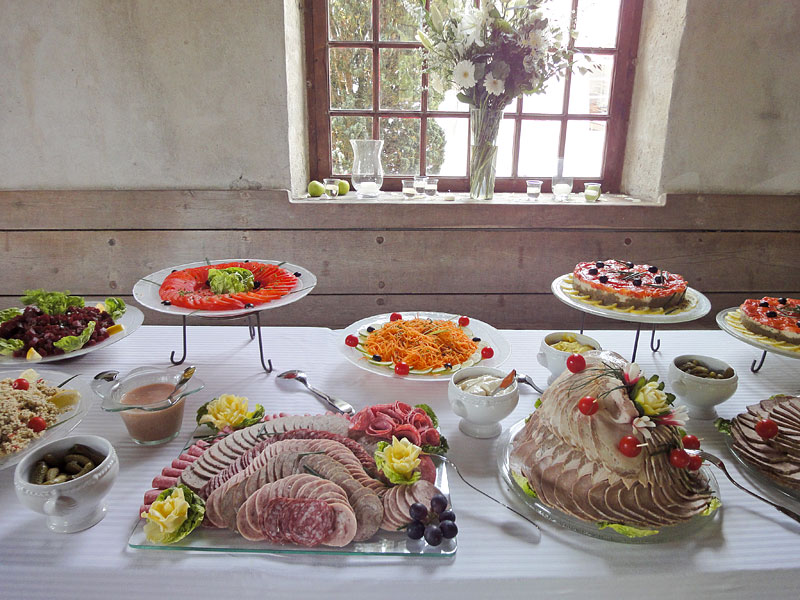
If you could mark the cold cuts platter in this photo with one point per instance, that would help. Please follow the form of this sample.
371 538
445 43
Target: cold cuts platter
272 284
510 473
289 484
694 306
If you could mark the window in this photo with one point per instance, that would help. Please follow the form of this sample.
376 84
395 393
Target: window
366 80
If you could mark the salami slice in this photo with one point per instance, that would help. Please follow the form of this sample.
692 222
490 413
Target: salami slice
308 522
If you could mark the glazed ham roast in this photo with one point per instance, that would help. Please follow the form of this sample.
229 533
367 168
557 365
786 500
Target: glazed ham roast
573 461
777 457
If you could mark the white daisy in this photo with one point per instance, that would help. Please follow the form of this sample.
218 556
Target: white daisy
494 86
643 425
464 74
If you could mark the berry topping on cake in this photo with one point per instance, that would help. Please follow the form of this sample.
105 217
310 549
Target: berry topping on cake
626 284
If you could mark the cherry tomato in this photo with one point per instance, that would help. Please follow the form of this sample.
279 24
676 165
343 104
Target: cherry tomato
695 462
463 321
679 458
351 341
576 363
20 384
401 368
767 429
487 352
629 446
396 317
691 442
37 424
588 405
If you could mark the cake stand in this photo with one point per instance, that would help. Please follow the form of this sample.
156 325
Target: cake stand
146 293
729 321
696 306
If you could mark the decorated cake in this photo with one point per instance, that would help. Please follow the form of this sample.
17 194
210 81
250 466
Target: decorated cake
777 318
605 445
767 436
628 284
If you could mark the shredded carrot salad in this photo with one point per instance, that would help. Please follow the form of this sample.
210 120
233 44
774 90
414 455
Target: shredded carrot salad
421 343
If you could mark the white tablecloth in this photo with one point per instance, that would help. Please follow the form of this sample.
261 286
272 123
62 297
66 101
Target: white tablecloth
748 549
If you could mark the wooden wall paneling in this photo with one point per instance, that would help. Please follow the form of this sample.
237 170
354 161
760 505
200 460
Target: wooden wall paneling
398 262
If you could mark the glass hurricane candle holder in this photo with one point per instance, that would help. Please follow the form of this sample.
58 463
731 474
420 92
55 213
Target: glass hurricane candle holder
420 181
432 186
408 188
331 187
562 188
534 188
591 192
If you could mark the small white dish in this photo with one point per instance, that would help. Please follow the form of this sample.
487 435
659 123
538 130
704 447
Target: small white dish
554 360
73 505
481 415
701 394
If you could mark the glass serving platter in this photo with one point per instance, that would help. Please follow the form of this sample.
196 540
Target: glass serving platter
67 421
507 466
487 333
728 320
698 306
131 321
757 476
146 290
383 543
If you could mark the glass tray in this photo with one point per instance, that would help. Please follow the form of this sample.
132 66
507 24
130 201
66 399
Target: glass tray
757 476
383 543
665 534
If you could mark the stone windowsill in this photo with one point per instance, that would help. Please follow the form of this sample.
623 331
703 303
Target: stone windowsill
463 198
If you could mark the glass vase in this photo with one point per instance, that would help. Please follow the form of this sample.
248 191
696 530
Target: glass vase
367 167
485 125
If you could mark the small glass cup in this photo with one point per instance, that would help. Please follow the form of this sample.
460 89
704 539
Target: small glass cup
431 186
331 187
534 188
591 192
562 188
408 188
420 182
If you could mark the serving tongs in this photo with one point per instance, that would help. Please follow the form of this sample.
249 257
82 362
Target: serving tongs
111 388
721 466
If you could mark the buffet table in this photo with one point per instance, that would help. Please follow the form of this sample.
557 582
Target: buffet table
749 548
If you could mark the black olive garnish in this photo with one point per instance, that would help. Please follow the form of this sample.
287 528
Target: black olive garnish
298 274
599 264
476 339
763 304
629 264
247 260
248 305
174 271
658 279
592 271
653 269
637 282
256 285
376 357
603 278
772 314
370 329
448 366
782 300
166 302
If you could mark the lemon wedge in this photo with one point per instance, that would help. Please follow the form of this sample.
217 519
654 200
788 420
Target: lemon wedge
100 306
33 355
115 328
65 399
29 375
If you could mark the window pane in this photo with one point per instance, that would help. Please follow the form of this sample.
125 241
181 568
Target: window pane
344 129
550 102
597 23
351 78
349 20
505 148
400 146
401 79
511 109
538 148
446 101
589 93
559 13
583 154
397 23
446 149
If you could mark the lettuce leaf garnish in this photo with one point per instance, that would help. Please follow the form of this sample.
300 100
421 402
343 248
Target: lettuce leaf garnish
115 307
524 484
723 425
51 303
429 411
8 347
441 449
70 343
194 516
713 505
231 280
627 530
9 313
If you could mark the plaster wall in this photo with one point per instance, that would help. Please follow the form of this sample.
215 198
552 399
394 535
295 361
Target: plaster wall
149 94
734 117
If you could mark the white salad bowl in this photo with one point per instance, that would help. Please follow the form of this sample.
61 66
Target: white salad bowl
701 394
481 415
554 360
73 505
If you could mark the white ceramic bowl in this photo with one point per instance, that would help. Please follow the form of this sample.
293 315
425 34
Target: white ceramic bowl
73 505
481 415
554 360
701 394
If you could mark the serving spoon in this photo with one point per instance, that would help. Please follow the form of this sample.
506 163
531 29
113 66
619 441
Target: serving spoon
338 405
185 377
